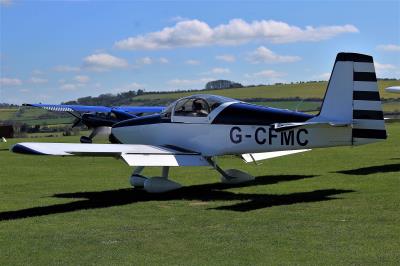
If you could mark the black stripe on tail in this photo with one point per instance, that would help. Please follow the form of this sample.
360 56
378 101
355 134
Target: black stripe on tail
367 95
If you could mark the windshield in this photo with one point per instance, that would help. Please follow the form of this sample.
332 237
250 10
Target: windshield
167 111
195 105
199 105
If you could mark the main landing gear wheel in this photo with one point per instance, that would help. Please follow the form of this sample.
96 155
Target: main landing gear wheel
137 181
158 184
234 176
231 176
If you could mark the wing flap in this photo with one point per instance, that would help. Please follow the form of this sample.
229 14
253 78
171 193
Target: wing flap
164 160
253 157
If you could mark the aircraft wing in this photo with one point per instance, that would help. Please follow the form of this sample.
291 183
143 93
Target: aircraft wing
133 155
104 109
253 157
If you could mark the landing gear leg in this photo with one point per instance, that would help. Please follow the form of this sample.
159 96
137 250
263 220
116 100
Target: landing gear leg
231 176
95 132
161 183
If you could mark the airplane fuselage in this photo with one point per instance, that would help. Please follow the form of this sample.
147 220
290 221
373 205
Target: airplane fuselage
215 140
231 128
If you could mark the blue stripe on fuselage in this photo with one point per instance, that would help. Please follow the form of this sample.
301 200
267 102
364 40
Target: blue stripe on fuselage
234 114
250 114
143 120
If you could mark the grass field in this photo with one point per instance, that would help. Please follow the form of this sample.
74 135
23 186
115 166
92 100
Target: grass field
330 206
34 116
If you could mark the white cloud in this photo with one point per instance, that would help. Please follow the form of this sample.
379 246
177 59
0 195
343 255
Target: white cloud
6 2
269 74
383 67
103 62
163 60
37 72
69 87
323 76
24 90
36 80
192 62
192 33
10 82
144 61
81 79
226 57
135 86
132 86
64 68
387 70
189 82
177 19
264 55
220 70
389 47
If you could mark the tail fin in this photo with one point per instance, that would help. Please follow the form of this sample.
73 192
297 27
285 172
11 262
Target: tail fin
352 95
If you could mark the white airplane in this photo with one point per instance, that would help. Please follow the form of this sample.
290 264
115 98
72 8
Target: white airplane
194 130
394 89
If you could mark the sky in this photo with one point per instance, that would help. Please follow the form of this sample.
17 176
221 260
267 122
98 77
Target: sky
55 51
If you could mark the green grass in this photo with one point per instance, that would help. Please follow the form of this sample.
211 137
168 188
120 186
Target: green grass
391 107
34 116
336 206
6 114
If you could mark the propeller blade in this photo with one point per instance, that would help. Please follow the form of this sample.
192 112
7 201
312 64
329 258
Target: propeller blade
76 122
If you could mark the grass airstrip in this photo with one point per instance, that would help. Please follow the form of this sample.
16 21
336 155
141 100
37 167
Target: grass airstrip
327 206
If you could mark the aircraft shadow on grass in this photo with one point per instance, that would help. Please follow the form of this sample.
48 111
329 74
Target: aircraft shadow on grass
205 193
386 168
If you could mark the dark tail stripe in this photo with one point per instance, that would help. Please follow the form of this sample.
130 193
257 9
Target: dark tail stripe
367 114
364 76
354 57
366 95
369 133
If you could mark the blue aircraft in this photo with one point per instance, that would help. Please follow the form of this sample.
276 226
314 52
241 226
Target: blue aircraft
99 118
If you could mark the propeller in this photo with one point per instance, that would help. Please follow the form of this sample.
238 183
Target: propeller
77 121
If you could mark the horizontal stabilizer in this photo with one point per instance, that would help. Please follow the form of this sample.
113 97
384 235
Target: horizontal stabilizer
286 126
253 157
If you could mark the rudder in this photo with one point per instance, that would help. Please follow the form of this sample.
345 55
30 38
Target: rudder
352 95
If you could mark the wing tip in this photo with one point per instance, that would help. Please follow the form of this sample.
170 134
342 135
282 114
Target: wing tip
20 148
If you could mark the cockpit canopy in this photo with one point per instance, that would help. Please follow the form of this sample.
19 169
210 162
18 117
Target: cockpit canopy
200 105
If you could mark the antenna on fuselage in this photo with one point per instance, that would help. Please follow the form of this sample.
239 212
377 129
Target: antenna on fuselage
297 106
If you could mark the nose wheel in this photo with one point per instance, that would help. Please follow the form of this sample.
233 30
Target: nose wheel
96 131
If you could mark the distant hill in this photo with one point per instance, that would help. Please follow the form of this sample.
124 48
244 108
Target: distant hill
282 92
